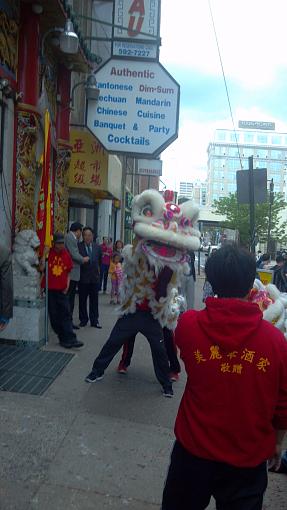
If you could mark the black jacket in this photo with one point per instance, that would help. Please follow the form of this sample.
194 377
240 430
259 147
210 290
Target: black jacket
90 273
280 279
191 264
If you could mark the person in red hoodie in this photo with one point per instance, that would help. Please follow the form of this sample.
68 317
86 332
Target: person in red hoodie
233 414
59 267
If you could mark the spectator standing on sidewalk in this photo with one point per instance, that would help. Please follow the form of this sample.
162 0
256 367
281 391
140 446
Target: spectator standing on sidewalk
116 272
207 288
188 283
118 247
233 414
71 244
59 268
280 278
107 251
280 261
264 262
6 287
89 280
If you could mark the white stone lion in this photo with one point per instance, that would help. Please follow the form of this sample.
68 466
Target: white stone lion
25 262
24 256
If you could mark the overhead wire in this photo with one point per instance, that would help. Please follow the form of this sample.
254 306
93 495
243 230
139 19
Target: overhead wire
225 84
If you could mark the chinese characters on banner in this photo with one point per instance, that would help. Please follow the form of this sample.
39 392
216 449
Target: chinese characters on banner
236 360
89 162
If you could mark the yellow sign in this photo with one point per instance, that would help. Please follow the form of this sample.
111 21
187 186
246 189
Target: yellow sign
265 275
89 162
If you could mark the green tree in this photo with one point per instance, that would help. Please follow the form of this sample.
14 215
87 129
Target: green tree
237 218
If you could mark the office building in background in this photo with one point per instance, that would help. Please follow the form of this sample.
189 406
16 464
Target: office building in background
196 191
230 150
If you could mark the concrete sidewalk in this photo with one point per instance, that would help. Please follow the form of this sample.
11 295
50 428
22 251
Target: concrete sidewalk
94 446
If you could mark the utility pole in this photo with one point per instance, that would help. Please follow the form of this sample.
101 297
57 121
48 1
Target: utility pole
251 204
271 202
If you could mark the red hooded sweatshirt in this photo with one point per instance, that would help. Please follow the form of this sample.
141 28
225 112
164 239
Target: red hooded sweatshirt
236 391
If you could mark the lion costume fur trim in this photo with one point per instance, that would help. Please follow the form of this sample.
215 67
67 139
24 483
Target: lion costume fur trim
137 286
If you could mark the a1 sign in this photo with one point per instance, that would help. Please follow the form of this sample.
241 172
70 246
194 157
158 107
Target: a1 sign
136 19
136 29
138 108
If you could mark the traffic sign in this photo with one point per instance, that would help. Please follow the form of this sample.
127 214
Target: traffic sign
137 110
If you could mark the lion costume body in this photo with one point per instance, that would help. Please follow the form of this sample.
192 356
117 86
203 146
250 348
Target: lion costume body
153 267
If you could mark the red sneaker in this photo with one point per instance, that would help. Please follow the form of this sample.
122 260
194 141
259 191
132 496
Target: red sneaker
173 376
122 369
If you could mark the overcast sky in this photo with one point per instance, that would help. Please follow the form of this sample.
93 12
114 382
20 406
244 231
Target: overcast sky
253 44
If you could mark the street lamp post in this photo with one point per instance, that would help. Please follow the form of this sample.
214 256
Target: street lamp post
271 201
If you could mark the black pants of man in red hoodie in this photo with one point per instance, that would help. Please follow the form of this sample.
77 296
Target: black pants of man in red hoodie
232 487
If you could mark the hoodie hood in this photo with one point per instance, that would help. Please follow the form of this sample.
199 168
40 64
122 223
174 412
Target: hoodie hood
229 322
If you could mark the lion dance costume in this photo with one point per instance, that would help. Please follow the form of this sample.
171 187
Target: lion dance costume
153 268
272 303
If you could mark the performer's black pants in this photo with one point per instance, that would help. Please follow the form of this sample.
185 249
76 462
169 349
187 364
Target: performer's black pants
71 295
60 316
191 481
170 347
128 326
88 290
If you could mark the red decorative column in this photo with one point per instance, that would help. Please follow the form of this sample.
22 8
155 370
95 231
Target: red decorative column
27 118
61 190
28 55
64 109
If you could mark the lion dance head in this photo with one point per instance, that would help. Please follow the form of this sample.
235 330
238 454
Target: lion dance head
165 232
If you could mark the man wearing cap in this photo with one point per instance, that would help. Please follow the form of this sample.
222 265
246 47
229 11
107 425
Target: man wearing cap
71 244
59 268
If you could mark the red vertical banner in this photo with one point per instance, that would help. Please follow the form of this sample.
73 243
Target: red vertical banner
44 213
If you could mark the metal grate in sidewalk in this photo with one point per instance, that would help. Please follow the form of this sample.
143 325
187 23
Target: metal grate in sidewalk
29 371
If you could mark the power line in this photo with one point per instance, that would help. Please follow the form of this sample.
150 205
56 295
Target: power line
225 83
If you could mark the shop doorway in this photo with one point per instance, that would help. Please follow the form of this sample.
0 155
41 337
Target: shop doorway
85 214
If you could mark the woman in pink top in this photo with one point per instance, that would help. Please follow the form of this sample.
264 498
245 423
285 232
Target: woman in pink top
107 251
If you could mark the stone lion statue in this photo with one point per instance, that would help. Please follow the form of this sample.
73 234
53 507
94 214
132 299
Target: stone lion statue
24 255
25 262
